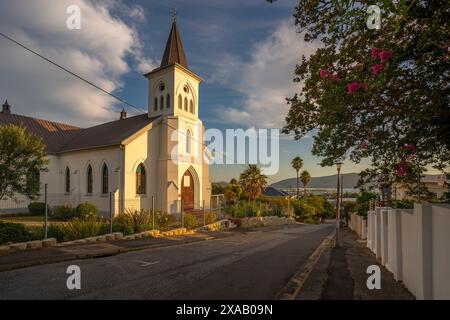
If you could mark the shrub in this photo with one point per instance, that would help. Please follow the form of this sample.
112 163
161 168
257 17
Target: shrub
329 210
190 221
402 204
37 208
63 212
210 217
303 210
362 203
55 231
83 228
121 224
13 232
163 220
140 220
86 210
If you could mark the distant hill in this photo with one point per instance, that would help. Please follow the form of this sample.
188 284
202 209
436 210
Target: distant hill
329 182
326 182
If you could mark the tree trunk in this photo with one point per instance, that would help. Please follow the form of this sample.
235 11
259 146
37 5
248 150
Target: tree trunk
297 186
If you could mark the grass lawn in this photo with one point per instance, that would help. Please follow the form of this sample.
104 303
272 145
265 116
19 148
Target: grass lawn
29 220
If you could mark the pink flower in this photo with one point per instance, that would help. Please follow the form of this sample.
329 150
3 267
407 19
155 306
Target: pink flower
385 55
377 69
364 144
375 52
324 73
410 147
336 77
353 87
402 169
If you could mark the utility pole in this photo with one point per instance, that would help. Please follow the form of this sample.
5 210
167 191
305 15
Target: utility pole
338 209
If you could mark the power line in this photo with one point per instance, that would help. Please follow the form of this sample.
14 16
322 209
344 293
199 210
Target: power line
71 73
105 91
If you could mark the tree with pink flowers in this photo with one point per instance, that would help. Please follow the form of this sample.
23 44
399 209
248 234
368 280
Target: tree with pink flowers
377 94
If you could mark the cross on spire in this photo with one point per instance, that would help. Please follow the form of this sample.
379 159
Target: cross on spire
174 14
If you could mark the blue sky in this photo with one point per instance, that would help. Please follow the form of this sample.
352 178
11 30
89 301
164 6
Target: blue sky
245 50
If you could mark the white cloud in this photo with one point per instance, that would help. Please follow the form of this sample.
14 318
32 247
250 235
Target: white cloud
100 52
266 80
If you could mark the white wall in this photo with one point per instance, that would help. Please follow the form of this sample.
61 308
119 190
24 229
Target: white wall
418 247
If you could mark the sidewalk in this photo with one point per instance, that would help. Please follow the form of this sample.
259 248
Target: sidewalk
340 274
29 258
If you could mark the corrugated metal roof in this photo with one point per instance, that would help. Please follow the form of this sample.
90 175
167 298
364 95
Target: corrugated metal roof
59 137
53 134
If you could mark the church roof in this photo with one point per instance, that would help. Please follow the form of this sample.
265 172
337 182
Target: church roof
174 52
53 134
59 137
107 134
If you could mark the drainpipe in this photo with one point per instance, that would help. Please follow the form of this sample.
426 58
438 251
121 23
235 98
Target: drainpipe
122 180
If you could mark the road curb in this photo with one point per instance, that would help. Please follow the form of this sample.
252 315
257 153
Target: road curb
295 284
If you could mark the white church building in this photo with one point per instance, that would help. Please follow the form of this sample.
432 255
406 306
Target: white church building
157 155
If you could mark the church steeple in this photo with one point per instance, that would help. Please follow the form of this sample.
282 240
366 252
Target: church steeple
174 52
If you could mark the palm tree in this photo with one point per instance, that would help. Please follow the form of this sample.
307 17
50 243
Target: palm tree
252 181
297 164
305 177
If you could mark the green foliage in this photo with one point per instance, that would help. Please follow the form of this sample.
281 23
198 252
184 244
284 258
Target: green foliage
63 212
13 232
86 210
216 188
37 208
363 203
232 191
297 164
83 228
349 208
22 157
401 204
210 217
252 181
190 221
303 210
164 220
305 177
383 115
141 220
313 208
121 224
55 231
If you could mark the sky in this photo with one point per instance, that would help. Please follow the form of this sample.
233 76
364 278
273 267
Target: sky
246 51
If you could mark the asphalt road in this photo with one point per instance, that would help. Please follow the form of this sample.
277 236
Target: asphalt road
243 265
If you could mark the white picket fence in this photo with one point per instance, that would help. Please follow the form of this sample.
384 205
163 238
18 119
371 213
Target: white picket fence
413 244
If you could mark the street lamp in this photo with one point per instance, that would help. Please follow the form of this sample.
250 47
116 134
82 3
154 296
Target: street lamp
338 209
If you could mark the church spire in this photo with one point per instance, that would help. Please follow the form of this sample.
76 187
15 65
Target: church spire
174 52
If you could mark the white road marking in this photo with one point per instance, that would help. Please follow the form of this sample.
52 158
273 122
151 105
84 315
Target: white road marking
145 263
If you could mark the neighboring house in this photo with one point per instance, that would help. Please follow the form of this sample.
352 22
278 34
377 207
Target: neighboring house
271 191
158 154
437 184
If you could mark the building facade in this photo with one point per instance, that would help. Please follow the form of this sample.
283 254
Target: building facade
154 159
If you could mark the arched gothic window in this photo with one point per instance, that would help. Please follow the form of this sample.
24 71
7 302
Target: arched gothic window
180 102
105 179
67 184
140 180
89 179
167 101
